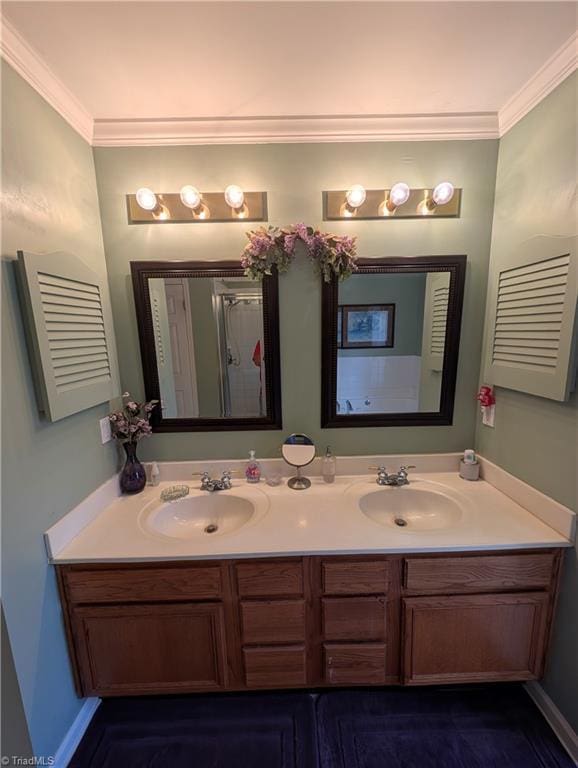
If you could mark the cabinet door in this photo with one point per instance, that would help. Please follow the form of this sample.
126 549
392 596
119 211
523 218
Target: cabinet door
474 638
130 649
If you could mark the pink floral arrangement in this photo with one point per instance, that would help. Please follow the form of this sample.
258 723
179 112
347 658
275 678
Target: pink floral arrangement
132 423
330 254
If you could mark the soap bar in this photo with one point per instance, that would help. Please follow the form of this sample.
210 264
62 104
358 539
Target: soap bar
469 471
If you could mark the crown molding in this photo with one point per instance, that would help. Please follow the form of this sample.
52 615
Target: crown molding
30 66
546 79
294 130
287 129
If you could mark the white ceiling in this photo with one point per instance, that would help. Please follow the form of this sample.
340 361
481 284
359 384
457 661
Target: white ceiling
171 60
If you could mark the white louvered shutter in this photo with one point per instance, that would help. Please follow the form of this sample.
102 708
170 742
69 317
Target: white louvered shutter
70 333
435 320
532 345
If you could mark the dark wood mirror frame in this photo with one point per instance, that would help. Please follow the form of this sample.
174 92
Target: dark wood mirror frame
456 266
141 272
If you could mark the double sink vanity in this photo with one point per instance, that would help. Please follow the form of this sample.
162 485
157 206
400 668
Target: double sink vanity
353 583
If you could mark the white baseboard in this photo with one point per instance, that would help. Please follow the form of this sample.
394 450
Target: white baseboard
75 733
556 720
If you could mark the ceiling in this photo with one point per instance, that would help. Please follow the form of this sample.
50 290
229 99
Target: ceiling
167 61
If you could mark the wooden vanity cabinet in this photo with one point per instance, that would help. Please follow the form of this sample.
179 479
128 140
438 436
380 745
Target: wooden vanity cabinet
308 621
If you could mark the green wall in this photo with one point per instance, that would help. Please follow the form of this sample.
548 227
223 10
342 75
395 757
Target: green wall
407 292
294 176
49 203
534 438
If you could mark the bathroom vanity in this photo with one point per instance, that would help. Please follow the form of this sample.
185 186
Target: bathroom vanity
308 621
309 589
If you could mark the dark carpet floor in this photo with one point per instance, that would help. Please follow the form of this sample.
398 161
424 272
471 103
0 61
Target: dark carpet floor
495 726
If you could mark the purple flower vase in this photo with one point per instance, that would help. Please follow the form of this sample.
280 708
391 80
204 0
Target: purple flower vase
133 476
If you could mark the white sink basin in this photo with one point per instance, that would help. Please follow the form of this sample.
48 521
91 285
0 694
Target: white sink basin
199 516
412 508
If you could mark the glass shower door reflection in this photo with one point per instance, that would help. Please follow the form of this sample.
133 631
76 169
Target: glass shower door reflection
242 357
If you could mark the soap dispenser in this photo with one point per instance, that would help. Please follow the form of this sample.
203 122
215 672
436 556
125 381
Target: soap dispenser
253 470
155 474
328 466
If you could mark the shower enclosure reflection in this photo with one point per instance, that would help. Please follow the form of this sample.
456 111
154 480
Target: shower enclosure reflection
209 342
209 345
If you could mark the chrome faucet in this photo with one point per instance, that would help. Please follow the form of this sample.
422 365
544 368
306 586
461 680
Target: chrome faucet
207 484
396 478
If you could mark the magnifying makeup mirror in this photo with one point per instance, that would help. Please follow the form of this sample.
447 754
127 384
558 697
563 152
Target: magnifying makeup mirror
298 451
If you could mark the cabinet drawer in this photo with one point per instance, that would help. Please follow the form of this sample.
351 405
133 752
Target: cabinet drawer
353 618
358 664
143 584
474 638
477 574
273 621
268 579
355 578
275 666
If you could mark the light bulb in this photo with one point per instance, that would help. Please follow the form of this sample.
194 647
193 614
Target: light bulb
190 196
355 196
234 196
399 194
443 193
146 198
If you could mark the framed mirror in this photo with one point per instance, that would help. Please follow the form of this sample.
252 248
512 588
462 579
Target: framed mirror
391 337
209 340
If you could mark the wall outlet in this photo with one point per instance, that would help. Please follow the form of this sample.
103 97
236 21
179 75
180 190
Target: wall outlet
105 433
489 415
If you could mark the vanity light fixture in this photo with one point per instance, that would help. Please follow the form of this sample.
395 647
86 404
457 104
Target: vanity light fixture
441 195
398 195
146 198
190 205
400 201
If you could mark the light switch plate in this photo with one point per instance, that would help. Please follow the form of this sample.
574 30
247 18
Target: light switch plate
105 433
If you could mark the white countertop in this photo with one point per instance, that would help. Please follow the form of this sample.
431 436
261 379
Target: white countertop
325 519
